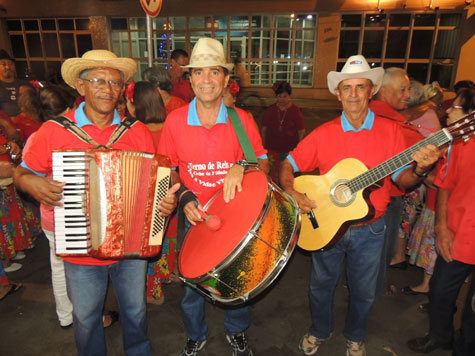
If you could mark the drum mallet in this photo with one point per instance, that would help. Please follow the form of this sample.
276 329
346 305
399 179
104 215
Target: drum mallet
213 222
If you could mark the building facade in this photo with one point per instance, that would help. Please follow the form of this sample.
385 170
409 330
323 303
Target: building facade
298 41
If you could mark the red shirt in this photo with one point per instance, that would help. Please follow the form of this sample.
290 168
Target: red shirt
461 215
182 89
282 127
51 136
174 103
328 144
26 125
205 155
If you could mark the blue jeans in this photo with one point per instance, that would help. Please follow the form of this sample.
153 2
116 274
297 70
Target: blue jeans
362 247
237 319
87 287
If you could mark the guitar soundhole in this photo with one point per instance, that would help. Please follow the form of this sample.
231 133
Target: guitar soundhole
341 194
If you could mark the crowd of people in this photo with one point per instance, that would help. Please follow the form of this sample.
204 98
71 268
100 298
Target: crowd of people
421 212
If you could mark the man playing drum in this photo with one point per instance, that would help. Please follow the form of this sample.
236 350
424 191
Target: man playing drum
200 141
359 134
99 76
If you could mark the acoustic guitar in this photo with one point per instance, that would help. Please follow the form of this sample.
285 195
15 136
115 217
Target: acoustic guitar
342 194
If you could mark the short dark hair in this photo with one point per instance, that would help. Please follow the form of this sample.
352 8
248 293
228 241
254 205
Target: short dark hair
149 107
177 53
283 87
463 84
158 76
54 100
466 99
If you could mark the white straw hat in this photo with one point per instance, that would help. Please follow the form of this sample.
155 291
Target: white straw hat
355 67
208 52
96 58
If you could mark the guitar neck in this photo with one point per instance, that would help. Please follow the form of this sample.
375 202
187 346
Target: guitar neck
402 159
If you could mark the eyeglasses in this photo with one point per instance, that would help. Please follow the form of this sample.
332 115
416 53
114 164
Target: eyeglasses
99 83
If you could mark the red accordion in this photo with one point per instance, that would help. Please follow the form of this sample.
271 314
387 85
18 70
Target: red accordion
110 203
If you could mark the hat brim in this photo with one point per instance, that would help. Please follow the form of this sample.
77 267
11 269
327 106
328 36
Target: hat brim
374 74
72 67
228 66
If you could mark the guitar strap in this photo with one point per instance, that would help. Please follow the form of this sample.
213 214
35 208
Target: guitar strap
242 136
71 126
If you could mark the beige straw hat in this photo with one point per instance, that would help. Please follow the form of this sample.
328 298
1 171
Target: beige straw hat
208 52
355 67
96 58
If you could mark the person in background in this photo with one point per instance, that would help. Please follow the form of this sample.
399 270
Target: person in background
455 242
181 86
9 85
160 79
15 235
282 127
421 243
390 100
29 120
146 105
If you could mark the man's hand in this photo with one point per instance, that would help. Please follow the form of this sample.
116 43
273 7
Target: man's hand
444 242
232 181
426 157
46 190
192 213
303 202
168 204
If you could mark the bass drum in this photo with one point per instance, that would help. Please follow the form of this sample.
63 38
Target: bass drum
258 233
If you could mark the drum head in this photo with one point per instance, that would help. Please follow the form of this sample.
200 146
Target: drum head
203 249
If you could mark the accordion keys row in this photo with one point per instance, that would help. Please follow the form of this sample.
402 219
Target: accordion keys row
110 203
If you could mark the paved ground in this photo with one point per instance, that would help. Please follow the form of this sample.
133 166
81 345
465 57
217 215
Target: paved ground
28 324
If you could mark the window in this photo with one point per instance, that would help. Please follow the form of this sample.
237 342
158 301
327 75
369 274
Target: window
41 45
270 47
424 44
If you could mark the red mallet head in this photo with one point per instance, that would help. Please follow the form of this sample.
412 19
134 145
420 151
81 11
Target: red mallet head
213 222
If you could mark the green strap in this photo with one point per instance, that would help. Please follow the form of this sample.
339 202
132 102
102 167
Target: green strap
242 136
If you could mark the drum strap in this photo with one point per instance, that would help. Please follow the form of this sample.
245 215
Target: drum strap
71 126
242 136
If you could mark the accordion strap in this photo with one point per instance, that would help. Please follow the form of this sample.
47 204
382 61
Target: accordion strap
71 126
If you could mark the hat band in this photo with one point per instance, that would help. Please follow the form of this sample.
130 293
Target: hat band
206 57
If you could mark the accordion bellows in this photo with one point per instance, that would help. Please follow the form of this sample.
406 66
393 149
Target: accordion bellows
110 203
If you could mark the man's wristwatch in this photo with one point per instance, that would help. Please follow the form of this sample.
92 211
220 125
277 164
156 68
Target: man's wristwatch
421 175
243 163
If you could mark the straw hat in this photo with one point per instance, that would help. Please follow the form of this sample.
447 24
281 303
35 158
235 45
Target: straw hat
356 67
208 52
96 58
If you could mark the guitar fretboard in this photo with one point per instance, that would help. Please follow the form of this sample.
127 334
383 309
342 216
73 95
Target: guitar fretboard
390 166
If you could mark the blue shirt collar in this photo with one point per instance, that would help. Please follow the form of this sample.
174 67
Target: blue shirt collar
367 125
194 120
82 120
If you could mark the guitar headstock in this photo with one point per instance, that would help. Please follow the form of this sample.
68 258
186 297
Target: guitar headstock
463 127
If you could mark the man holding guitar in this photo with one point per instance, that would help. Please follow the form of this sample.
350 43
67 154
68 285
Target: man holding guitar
337 209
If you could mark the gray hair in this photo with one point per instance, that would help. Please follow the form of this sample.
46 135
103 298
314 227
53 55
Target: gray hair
417 94
85 72
158 76
390 72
